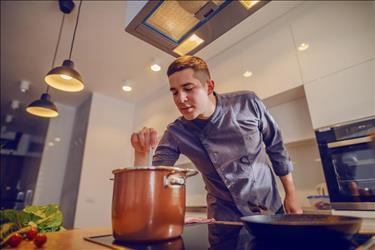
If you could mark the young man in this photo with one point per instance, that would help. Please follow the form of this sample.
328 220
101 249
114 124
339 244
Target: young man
223 136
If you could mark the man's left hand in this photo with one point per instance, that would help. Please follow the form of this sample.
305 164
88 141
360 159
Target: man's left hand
291 205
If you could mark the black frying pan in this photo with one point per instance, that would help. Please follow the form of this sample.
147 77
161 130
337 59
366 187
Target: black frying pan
302 226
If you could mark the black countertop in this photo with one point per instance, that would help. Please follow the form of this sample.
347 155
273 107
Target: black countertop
218 236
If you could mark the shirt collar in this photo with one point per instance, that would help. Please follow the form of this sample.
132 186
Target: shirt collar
213 118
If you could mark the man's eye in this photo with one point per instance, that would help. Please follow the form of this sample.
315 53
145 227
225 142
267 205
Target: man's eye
188 89
174 92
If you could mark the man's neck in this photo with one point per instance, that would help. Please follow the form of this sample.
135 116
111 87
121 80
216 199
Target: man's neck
210 109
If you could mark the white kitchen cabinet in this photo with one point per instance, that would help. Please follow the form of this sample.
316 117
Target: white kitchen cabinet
340 34
268 53
294 120
343 96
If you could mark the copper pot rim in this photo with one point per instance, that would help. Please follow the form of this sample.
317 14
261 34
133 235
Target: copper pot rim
187 171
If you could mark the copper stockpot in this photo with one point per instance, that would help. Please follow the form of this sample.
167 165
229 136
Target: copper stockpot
148 203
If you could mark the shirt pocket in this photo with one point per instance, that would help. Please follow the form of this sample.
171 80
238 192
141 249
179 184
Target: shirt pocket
253 142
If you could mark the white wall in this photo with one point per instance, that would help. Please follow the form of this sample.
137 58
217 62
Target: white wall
107 148
52 168
308 170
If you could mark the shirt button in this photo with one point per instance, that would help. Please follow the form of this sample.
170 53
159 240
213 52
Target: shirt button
244 160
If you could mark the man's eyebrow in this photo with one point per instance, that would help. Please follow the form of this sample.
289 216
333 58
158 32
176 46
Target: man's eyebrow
172 89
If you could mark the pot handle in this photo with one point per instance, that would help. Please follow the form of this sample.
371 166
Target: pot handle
191 172
175 181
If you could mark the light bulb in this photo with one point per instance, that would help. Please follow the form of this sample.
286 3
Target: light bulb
65 77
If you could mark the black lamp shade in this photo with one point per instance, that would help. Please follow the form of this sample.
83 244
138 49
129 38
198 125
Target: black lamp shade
65 78
43 107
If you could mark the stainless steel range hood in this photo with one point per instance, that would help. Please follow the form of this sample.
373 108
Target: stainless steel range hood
185 27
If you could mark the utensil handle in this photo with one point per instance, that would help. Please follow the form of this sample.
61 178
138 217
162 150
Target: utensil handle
150 155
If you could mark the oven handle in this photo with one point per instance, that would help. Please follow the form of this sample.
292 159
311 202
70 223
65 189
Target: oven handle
349 142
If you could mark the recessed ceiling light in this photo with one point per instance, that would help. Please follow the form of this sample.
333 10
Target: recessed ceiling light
51 144
155 67
57 139
188 45
126 88
247 73
24 86
15 104
248 3
303 46
8 118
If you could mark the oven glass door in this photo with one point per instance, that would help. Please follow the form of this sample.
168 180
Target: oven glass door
352 172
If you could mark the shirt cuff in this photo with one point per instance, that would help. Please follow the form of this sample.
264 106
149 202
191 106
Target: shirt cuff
282 168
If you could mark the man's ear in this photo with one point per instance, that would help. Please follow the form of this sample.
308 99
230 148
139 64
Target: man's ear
210 86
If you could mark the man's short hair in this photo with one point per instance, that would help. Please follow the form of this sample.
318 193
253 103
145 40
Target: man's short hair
198 65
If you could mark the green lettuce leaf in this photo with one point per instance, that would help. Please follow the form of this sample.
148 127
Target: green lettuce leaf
46 218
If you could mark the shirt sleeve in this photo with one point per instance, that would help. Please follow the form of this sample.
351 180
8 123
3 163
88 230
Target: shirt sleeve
167 152
272 138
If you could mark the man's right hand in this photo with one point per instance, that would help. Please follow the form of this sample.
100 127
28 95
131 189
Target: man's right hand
142 141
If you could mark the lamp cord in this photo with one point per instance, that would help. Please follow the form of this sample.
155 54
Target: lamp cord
58 41
75 28
57 46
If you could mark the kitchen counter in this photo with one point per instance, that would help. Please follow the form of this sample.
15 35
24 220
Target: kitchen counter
196 236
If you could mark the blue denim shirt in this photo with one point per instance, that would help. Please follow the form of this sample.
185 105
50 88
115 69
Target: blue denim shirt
229 153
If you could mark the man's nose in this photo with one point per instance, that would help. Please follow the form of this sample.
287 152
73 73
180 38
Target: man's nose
181 98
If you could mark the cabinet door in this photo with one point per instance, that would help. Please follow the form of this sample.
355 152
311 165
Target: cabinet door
343 96
269 54
340 34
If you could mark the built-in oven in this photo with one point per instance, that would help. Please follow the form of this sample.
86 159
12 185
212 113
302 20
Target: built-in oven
348 158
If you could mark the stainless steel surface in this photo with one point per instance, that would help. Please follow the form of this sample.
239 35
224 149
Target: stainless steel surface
215 23
322 129
368 206
349 142
302 226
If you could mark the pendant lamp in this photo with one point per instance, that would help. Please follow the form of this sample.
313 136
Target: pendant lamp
65 77
44 107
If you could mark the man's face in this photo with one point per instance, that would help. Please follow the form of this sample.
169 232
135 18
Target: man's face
190 95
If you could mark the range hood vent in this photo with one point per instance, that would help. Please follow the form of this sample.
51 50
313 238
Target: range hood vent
185 27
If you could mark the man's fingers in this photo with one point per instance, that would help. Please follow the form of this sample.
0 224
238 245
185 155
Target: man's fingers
144 139
134 139
141 138
146 134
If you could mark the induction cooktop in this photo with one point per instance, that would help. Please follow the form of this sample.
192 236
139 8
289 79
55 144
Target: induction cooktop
225 237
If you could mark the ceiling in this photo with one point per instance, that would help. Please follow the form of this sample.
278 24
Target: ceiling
103 53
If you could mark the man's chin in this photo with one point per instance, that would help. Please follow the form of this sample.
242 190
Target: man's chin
189 116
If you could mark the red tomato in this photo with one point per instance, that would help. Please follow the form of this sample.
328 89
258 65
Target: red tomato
32 233
15 240
40 239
